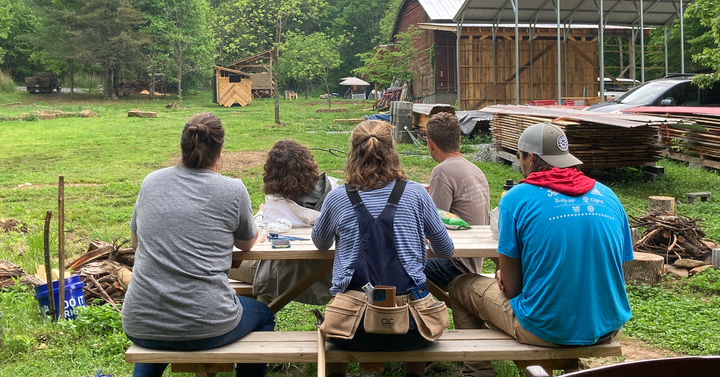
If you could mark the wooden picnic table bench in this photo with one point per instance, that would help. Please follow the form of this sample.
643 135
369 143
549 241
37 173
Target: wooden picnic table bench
469 243
302 347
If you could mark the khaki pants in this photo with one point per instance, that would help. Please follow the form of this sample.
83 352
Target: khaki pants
477 299
246 273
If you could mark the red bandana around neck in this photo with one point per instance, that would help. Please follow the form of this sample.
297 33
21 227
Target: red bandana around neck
567 181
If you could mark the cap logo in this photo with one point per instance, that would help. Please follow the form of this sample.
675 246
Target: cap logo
562 143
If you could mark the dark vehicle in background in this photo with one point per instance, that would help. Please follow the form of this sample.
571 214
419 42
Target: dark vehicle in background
43 82
672 90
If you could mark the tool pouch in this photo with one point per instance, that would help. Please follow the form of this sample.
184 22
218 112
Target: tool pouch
386 320
431 317
343 315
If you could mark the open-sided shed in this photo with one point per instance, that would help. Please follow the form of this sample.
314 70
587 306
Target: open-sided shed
232 87
259 65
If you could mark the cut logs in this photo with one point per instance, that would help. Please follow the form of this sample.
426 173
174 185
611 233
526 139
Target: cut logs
645 268
142 114
671 237
105 269
665 203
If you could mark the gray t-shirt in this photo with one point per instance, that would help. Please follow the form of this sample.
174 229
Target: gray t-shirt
459 186
186 221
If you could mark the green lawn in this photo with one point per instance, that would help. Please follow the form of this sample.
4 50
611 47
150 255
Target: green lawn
105 159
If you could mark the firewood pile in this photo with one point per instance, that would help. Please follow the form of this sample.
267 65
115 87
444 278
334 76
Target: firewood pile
9 272
677 238
262 93
105 269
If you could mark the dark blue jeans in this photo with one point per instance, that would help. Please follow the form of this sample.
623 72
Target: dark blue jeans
441 271
256 316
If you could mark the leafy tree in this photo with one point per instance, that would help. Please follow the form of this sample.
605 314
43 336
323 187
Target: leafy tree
19 20
707 11
263 23
307 58
393 62
182 26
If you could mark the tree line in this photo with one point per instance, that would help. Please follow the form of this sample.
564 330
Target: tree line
182 39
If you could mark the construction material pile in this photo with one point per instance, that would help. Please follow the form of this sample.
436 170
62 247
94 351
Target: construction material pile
599 140
692 143
105 269
677 238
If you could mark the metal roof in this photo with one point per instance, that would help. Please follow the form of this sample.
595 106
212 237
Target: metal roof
441 10
616 12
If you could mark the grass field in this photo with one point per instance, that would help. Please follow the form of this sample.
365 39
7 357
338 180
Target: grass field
104 160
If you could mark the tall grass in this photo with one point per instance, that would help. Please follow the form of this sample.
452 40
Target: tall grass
7 85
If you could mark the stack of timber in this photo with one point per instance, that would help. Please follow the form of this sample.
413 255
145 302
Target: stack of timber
599 140
689 145
11 273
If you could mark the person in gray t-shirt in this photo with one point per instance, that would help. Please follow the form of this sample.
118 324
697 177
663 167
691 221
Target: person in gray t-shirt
458 186
186 220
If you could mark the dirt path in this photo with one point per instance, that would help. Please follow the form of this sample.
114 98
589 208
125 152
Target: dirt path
633 350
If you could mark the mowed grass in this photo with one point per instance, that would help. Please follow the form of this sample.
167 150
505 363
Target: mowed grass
105 159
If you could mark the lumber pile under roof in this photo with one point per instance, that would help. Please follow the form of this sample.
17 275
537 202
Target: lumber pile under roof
599 140
705 145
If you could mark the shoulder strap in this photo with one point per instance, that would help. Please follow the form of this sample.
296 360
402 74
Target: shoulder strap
353 195
394 195
397 191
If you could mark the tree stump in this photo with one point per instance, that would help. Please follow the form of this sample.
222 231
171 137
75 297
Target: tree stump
666 203
645 268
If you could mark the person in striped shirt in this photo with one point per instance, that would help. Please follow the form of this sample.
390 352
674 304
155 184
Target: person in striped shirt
376 240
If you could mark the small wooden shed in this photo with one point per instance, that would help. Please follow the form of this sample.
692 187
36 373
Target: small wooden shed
232 86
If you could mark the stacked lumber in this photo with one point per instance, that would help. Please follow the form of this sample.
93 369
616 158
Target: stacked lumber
689 142
598 140
105 269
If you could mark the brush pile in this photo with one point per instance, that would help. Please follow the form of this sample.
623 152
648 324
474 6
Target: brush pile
105 269
10 273
677 238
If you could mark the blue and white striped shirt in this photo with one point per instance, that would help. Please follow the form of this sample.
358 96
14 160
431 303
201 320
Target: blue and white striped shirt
415 219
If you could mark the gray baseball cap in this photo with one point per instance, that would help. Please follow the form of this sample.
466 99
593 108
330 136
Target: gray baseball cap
548 142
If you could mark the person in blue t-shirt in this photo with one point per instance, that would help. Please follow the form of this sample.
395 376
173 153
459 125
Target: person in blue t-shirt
562 240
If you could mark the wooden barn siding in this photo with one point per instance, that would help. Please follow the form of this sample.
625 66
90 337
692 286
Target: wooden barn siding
476 71
232 93
445 58
424 81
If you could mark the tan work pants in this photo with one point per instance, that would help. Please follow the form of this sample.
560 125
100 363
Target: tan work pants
477 299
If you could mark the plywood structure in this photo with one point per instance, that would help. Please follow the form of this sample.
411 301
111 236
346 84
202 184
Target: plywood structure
233 87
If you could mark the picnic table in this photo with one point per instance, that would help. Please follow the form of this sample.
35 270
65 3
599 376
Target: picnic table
475 242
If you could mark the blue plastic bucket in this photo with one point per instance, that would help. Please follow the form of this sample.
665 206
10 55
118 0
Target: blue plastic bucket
74 296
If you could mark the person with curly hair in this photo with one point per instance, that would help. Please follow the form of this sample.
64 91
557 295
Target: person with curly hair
294 190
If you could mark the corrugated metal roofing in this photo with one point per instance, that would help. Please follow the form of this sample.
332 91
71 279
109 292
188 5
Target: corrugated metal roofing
616 12
441 10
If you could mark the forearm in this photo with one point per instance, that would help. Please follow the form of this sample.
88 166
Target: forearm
246 245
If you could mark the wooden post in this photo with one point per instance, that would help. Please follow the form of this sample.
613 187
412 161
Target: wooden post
716 258
61 246
645 268
48 268
666 203
321 353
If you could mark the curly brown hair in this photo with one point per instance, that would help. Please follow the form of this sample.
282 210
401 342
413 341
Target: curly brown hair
373 161
290 170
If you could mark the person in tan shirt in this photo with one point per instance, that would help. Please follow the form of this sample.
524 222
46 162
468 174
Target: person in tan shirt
457 186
